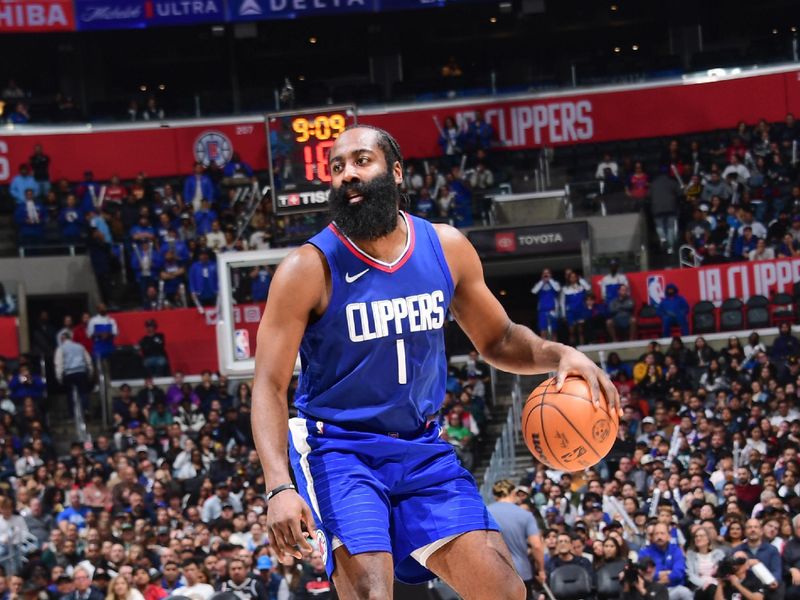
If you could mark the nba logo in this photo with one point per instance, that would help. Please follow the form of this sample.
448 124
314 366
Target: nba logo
505 241
655 289
241 349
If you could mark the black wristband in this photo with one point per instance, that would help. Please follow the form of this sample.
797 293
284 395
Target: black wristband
279 489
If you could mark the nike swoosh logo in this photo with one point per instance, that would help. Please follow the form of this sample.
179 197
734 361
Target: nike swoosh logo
351 278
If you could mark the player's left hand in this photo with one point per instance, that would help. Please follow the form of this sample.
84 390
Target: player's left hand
573 362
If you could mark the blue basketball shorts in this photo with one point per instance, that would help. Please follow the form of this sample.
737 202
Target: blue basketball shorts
548 319
375 492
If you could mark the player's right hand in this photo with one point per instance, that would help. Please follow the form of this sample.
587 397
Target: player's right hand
286 514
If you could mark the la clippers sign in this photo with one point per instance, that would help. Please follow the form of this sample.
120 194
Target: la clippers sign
716 283
28 16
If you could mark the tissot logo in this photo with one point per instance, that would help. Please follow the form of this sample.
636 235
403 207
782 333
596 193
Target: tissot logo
302 199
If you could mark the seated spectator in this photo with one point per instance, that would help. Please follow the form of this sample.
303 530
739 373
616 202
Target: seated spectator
71 221
756 547
203 281
565 556
143 231
198 187
595 315
698 230
261 278
674 311
26 385
21 183
146 265
645 587
215 239
761 251
152 112
607 163
30 219
638 185
173 280
621 321
204 218
670 564
785 345
153 347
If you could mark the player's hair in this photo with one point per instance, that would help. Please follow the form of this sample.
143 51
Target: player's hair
386 142
502 488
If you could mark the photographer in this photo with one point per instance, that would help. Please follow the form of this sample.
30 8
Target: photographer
737 581
638 584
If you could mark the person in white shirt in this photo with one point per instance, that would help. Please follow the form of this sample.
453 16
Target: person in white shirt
761 251
193 588
606 163
215 239
735 166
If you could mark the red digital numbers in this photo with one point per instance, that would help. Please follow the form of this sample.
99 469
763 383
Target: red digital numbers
315 158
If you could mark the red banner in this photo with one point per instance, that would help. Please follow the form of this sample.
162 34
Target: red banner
191 337
9 337
623 112
715 283
28 16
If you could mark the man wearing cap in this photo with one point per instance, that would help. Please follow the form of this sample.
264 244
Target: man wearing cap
154 350
648 432
212 508
242 584
519 530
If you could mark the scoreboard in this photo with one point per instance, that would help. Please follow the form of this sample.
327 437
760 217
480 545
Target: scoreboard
298 144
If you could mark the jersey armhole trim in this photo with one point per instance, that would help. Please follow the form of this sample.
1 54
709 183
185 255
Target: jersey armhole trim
439 252
334 271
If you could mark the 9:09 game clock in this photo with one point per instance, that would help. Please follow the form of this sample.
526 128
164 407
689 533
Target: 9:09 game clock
298 144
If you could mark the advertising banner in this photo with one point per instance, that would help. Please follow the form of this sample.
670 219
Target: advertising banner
519 122
715 283
533 240
137 14
31 16
9 337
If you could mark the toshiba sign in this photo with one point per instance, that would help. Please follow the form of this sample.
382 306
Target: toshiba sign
23 16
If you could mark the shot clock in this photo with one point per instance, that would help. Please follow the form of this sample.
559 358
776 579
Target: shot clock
298 143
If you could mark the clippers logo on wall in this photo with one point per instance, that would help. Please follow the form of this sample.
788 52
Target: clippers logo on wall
213 146
715 283
20 16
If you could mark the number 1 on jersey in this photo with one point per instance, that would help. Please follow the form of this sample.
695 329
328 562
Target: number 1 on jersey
401 362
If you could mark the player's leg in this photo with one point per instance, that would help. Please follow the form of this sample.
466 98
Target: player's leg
366 576
478 566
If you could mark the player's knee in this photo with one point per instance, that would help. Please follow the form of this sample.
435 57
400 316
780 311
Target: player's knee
372 587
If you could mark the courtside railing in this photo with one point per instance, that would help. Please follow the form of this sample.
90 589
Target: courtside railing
502 463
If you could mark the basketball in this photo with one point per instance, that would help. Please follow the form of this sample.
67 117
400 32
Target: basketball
563 429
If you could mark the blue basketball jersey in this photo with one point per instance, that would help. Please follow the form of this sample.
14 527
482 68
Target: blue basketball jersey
375 360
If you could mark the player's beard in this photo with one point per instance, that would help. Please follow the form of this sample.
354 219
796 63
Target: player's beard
374 216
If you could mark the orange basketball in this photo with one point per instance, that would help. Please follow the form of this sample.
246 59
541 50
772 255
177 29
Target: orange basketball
563 429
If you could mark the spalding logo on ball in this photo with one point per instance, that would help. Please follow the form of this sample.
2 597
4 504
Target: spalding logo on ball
564 430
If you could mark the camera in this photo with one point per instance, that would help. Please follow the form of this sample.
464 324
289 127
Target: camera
728 566
631 572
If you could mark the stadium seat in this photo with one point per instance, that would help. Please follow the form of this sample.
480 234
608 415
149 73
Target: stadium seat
648 323
608 584
703 318
782 309
757 312
730 316
570 582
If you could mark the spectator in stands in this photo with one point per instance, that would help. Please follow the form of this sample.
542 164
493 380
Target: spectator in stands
645 587
30 218
665 196
74 369
698 230
761 251
40 164
173 280
607 164
674 311
197 187
669 560
102 329
203 281
244 584
547 290
785 344
204 218
153 347
479 135
215 238
461 438
146 265
595 315
744 244
572 303
20 114
612 281
261 278
566 556
748 219
152 111
638 185
621 321
71 221
26 384
519 530
756 547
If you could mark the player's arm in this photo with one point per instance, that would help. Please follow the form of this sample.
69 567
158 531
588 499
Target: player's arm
298 290
503 343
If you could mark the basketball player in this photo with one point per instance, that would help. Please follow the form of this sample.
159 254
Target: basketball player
364 302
